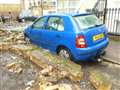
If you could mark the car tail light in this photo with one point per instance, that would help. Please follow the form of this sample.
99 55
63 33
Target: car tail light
80 41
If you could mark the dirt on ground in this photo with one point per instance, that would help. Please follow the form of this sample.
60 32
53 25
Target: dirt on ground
29 77
16 81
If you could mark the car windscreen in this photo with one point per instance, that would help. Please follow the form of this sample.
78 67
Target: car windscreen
87 21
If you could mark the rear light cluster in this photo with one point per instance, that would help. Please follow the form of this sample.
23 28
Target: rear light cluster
80 42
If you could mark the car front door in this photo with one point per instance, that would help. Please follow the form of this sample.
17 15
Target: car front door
36 30
52 34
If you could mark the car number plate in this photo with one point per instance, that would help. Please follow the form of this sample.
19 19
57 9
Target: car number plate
97 37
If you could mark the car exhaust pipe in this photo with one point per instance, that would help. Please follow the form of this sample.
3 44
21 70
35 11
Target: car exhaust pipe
99 56
99 60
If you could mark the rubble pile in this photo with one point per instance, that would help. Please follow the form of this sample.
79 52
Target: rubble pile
99 81
14 67
2 33
68 67
55 70
49 79
13 37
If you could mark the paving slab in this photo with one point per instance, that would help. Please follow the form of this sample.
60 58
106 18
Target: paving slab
113 52
99 81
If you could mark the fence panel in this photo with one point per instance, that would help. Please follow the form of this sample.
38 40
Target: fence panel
112 19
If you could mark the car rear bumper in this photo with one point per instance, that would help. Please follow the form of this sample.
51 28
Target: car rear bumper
90 52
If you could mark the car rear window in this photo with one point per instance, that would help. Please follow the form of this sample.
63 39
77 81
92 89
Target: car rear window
87 21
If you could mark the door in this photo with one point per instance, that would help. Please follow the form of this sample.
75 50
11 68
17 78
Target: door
53 32
36 30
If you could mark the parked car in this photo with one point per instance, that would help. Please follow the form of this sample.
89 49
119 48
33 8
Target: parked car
26 15
76 37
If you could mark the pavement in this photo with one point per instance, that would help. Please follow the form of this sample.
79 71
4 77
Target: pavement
113 52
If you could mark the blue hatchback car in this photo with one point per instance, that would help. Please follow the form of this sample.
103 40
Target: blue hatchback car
75 37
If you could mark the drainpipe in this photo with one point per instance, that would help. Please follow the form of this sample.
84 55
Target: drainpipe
105 11
96 4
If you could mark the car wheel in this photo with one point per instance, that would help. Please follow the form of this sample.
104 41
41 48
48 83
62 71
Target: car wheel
27 40
103 53
23 20
99 60
65 53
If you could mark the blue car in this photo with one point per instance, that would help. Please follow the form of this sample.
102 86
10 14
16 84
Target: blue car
76 37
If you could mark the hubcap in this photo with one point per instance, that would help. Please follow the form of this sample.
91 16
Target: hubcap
64 54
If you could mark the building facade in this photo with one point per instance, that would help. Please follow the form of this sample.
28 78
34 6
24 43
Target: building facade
67 5
12 10
71 6
50 6
39 7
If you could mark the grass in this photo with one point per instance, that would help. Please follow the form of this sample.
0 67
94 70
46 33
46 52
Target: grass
62 62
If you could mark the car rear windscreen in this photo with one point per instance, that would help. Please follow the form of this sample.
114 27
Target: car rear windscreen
87 21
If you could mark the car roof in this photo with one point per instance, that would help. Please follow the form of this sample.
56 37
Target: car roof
63 14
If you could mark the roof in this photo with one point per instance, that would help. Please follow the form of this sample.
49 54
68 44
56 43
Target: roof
64 14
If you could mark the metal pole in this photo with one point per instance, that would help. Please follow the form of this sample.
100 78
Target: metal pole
41 5
105 11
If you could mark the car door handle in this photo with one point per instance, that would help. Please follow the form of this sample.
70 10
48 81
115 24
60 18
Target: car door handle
58 36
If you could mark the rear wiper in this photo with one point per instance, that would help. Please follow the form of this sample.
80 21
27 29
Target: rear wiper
97 25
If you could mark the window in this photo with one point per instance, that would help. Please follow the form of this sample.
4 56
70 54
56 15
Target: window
39 3
30 4
55 23
39 24
34 4
87 21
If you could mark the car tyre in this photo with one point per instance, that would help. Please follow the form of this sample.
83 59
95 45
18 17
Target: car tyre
103 53
99 60
23 20
27 40
65 53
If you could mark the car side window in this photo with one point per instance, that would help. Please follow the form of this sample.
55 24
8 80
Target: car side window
55 23
39 24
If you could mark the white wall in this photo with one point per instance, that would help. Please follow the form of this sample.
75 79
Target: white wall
113 4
